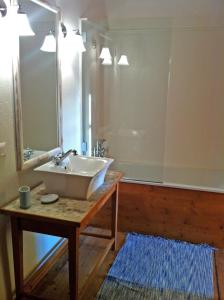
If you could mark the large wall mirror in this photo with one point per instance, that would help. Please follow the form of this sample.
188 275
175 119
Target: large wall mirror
37 86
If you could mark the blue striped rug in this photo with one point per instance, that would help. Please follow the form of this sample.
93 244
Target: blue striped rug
150 267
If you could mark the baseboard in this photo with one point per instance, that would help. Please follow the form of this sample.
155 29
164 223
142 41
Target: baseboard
45 265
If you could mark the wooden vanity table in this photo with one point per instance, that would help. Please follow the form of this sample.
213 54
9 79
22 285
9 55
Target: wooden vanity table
66 218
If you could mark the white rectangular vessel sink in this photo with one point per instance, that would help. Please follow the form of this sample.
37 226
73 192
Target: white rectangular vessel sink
76 177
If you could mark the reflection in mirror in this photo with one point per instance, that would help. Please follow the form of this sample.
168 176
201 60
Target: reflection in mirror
38 79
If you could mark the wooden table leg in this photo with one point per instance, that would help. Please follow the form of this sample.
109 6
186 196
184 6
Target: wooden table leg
17 244
73 259
114 206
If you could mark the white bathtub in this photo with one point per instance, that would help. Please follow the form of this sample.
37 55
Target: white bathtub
185 178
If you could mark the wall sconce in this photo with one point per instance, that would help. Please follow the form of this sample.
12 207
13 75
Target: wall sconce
123 61
3 9
107 58
79 42
105 53
49 44
24 28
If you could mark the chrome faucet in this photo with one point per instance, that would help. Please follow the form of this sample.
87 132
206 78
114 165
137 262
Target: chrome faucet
27 153
99 150
58 159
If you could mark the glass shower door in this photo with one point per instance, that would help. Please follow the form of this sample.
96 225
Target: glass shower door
125 105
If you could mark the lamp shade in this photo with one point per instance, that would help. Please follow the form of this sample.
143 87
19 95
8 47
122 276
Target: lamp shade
79 45
49 44
107 61
23 25
105 53
123 61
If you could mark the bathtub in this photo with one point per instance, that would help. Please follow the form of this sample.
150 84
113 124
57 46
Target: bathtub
176 177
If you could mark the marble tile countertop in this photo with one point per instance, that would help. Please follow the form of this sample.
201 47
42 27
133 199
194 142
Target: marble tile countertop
65 210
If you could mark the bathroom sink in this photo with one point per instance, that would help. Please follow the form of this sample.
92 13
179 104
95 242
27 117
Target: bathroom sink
76 177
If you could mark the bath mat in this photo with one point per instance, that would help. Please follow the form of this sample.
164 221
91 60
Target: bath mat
150 267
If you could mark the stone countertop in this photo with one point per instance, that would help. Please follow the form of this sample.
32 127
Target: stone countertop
65 210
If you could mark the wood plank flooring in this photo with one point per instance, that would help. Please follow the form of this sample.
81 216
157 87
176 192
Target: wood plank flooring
55 284
219 276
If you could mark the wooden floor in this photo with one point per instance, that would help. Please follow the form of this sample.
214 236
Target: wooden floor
55 284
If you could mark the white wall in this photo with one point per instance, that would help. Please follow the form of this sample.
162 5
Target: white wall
195 107
72 11
93 87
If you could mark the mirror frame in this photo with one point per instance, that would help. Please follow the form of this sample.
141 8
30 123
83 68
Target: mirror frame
21 164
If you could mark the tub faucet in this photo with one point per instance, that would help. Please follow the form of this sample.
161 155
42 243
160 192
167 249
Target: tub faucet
58 159
99 149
